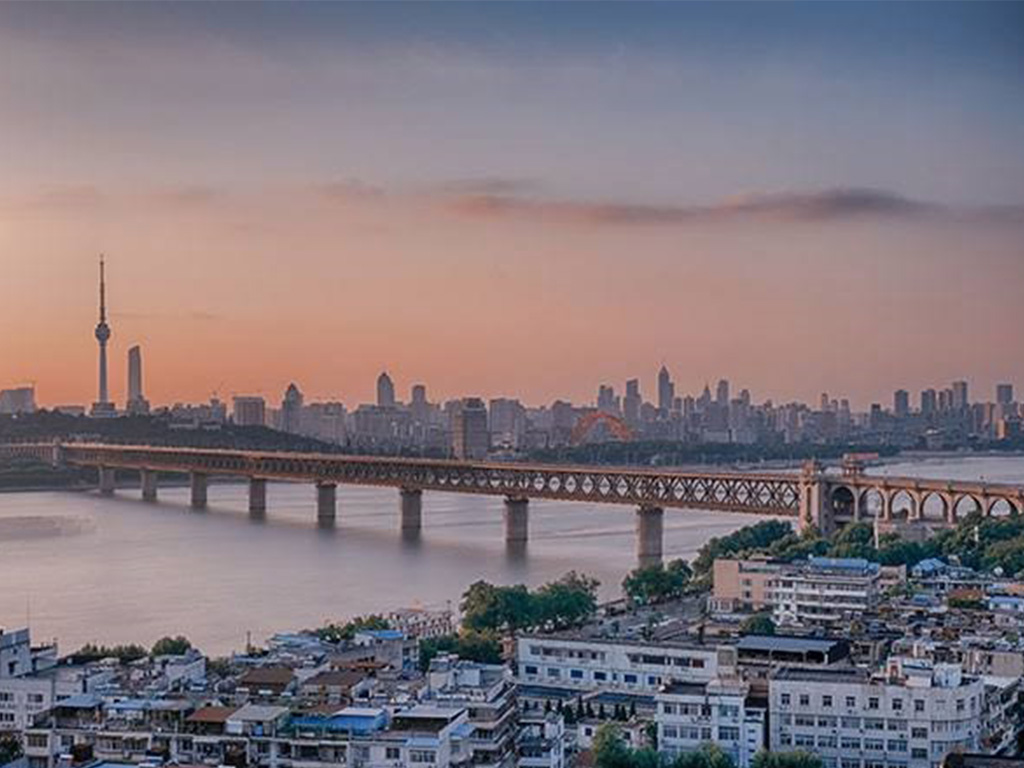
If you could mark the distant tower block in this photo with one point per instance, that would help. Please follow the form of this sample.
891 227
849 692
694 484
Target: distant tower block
137 402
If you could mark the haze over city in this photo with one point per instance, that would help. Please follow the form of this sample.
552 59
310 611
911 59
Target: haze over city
513 199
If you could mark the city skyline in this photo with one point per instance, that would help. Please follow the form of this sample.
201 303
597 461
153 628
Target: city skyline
498 200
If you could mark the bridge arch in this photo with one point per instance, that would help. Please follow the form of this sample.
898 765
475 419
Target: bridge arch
616 426
934 506
965 504
903 505
844 503
1000 506
872 503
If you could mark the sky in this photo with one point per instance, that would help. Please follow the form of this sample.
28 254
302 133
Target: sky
522 199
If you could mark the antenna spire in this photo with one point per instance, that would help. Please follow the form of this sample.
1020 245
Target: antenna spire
103 293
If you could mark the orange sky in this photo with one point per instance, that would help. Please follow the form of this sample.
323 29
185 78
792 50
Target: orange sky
498 199
234 293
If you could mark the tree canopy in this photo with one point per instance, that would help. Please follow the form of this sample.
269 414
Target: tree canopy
171 646
657 583
758 624
566 602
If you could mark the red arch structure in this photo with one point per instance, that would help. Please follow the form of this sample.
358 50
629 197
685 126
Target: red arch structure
618 427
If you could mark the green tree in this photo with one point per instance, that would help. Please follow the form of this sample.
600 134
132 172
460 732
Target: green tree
10 748
609 747
171 646
709 755
125 654
854 540
758 624
657 583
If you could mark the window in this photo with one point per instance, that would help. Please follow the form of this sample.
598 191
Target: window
850 743
784 699
35 740
600 675
785 740
422 755
919 753
874 724
576 674
529 669
874 745
392 753
728 733
629 679
959 705
897 705
851 701
826 701
919 705
6 696
6 717
827 742
804 720
873 702
705 734
669 732
803 740
827 722
897 745
554 672
851 722
668 709
805 700
848 763
919 733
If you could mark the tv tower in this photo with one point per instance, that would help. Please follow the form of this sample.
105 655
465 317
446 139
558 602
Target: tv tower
103 406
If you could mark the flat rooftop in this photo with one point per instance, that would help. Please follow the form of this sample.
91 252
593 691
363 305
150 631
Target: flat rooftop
849 675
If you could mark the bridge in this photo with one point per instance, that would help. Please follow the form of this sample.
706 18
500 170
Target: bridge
813 497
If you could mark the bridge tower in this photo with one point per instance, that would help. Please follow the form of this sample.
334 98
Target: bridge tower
815 505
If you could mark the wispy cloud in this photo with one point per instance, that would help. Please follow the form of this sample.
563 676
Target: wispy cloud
793 207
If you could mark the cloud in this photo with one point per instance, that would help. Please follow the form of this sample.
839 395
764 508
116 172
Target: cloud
840 204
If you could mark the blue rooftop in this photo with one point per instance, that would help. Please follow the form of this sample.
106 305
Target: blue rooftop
852 564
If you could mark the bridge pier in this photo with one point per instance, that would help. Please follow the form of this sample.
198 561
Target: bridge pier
517 519
257 495
650 524
412 510
107 480
148 480
326 504
197 483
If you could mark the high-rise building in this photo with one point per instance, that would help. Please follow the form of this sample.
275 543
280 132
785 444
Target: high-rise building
901 402
929 402
385 391
666 391
291 410
470 438
631 402
507 420
103 406
249 411
722 393
137 402
960 401
18 400
419 408
606 400
1004 394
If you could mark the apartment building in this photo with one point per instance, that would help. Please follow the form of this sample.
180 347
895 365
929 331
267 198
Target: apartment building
721 711
568 665
910 716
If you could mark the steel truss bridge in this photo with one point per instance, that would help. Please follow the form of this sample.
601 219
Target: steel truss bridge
813 497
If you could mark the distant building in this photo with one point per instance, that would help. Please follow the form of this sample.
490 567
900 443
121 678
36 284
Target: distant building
929 402
291 410
19 400
631 402
960 399
470 437
103 407
249 411
901 402
1004 394
386 391
666 391
137 402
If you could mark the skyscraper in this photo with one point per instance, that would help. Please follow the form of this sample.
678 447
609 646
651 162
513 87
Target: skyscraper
722 393
291 410
385 391
632 402
1004 394
929 402
103 406
470 438
666 391
249 411
960 401
901 402
137 402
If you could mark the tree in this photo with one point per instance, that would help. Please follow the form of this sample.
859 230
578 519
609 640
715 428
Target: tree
758 624
795 759
483 647
171 646
125 654
609 748
709 755
10 748
657 583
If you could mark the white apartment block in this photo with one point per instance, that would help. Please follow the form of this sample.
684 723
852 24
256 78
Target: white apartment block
721 711
911 716
636 666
